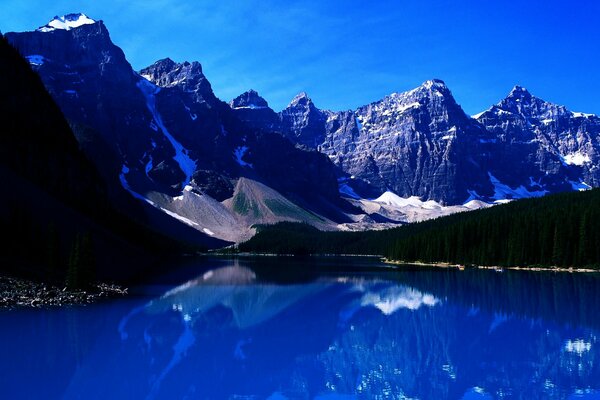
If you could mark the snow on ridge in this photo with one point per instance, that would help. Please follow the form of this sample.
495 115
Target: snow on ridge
392 199
251 107
581 115
67 22
186 164
577 158
403 107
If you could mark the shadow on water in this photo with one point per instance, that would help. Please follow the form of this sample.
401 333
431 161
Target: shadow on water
315 328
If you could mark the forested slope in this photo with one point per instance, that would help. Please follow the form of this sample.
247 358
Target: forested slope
556 230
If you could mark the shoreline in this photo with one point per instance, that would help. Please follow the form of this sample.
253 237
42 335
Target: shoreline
24 293
386 261
489 267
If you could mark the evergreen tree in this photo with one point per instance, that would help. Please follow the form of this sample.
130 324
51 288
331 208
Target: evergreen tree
82 264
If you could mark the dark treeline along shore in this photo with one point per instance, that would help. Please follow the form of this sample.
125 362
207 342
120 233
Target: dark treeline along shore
61 223
557 230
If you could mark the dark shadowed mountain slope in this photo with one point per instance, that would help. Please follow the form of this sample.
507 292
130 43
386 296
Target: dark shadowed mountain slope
54 197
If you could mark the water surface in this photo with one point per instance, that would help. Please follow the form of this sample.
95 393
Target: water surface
279 328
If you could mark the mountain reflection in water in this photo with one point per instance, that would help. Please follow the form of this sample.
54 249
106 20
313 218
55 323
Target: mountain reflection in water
232 332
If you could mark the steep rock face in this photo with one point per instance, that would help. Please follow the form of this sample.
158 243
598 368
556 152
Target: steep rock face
187 76
302 122
558 148
95 86
249 99
255 112
421 143
418 143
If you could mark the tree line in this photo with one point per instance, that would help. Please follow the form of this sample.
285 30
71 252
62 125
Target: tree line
556 230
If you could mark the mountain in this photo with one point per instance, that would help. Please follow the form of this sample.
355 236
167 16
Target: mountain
57 213
163 136
558 148
421 143
163 132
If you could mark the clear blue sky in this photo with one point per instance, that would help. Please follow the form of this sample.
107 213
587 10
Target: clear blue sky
352 52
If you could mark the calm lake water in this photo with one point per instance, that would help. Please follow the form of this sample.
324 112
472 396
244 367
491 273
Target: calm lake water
314 329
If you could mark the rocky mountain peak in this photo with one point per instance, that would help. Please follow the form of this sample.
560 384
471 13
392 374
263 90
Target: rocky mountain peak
67 22
431 98
301 99
168 73
521 102
433 88
520 93
249 99
435 84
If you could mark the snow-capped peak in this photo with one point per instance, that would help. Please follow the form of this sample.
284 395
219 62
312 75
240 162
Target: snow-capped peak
434 84
67 22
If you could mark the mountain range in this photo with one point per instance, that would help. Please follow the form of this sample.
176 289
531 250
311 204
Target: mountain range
162 135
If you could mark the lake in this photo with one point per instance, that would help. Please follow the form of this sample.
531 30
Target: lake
330 328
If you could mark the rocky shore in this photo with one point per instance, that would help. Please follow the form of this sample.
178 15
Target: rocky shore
16 292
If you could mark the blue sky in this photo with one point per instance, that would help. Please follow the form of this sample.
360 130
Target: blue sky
349 53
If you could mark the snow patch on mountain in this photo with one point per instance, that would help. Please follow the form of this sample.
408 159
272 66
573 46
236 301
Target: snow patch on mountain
125 184
186 164
67 22
580 186
251 107
577 158
239 153
35 59
347 191
392 199
148 166
581 115
504 192
192 115
179 217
